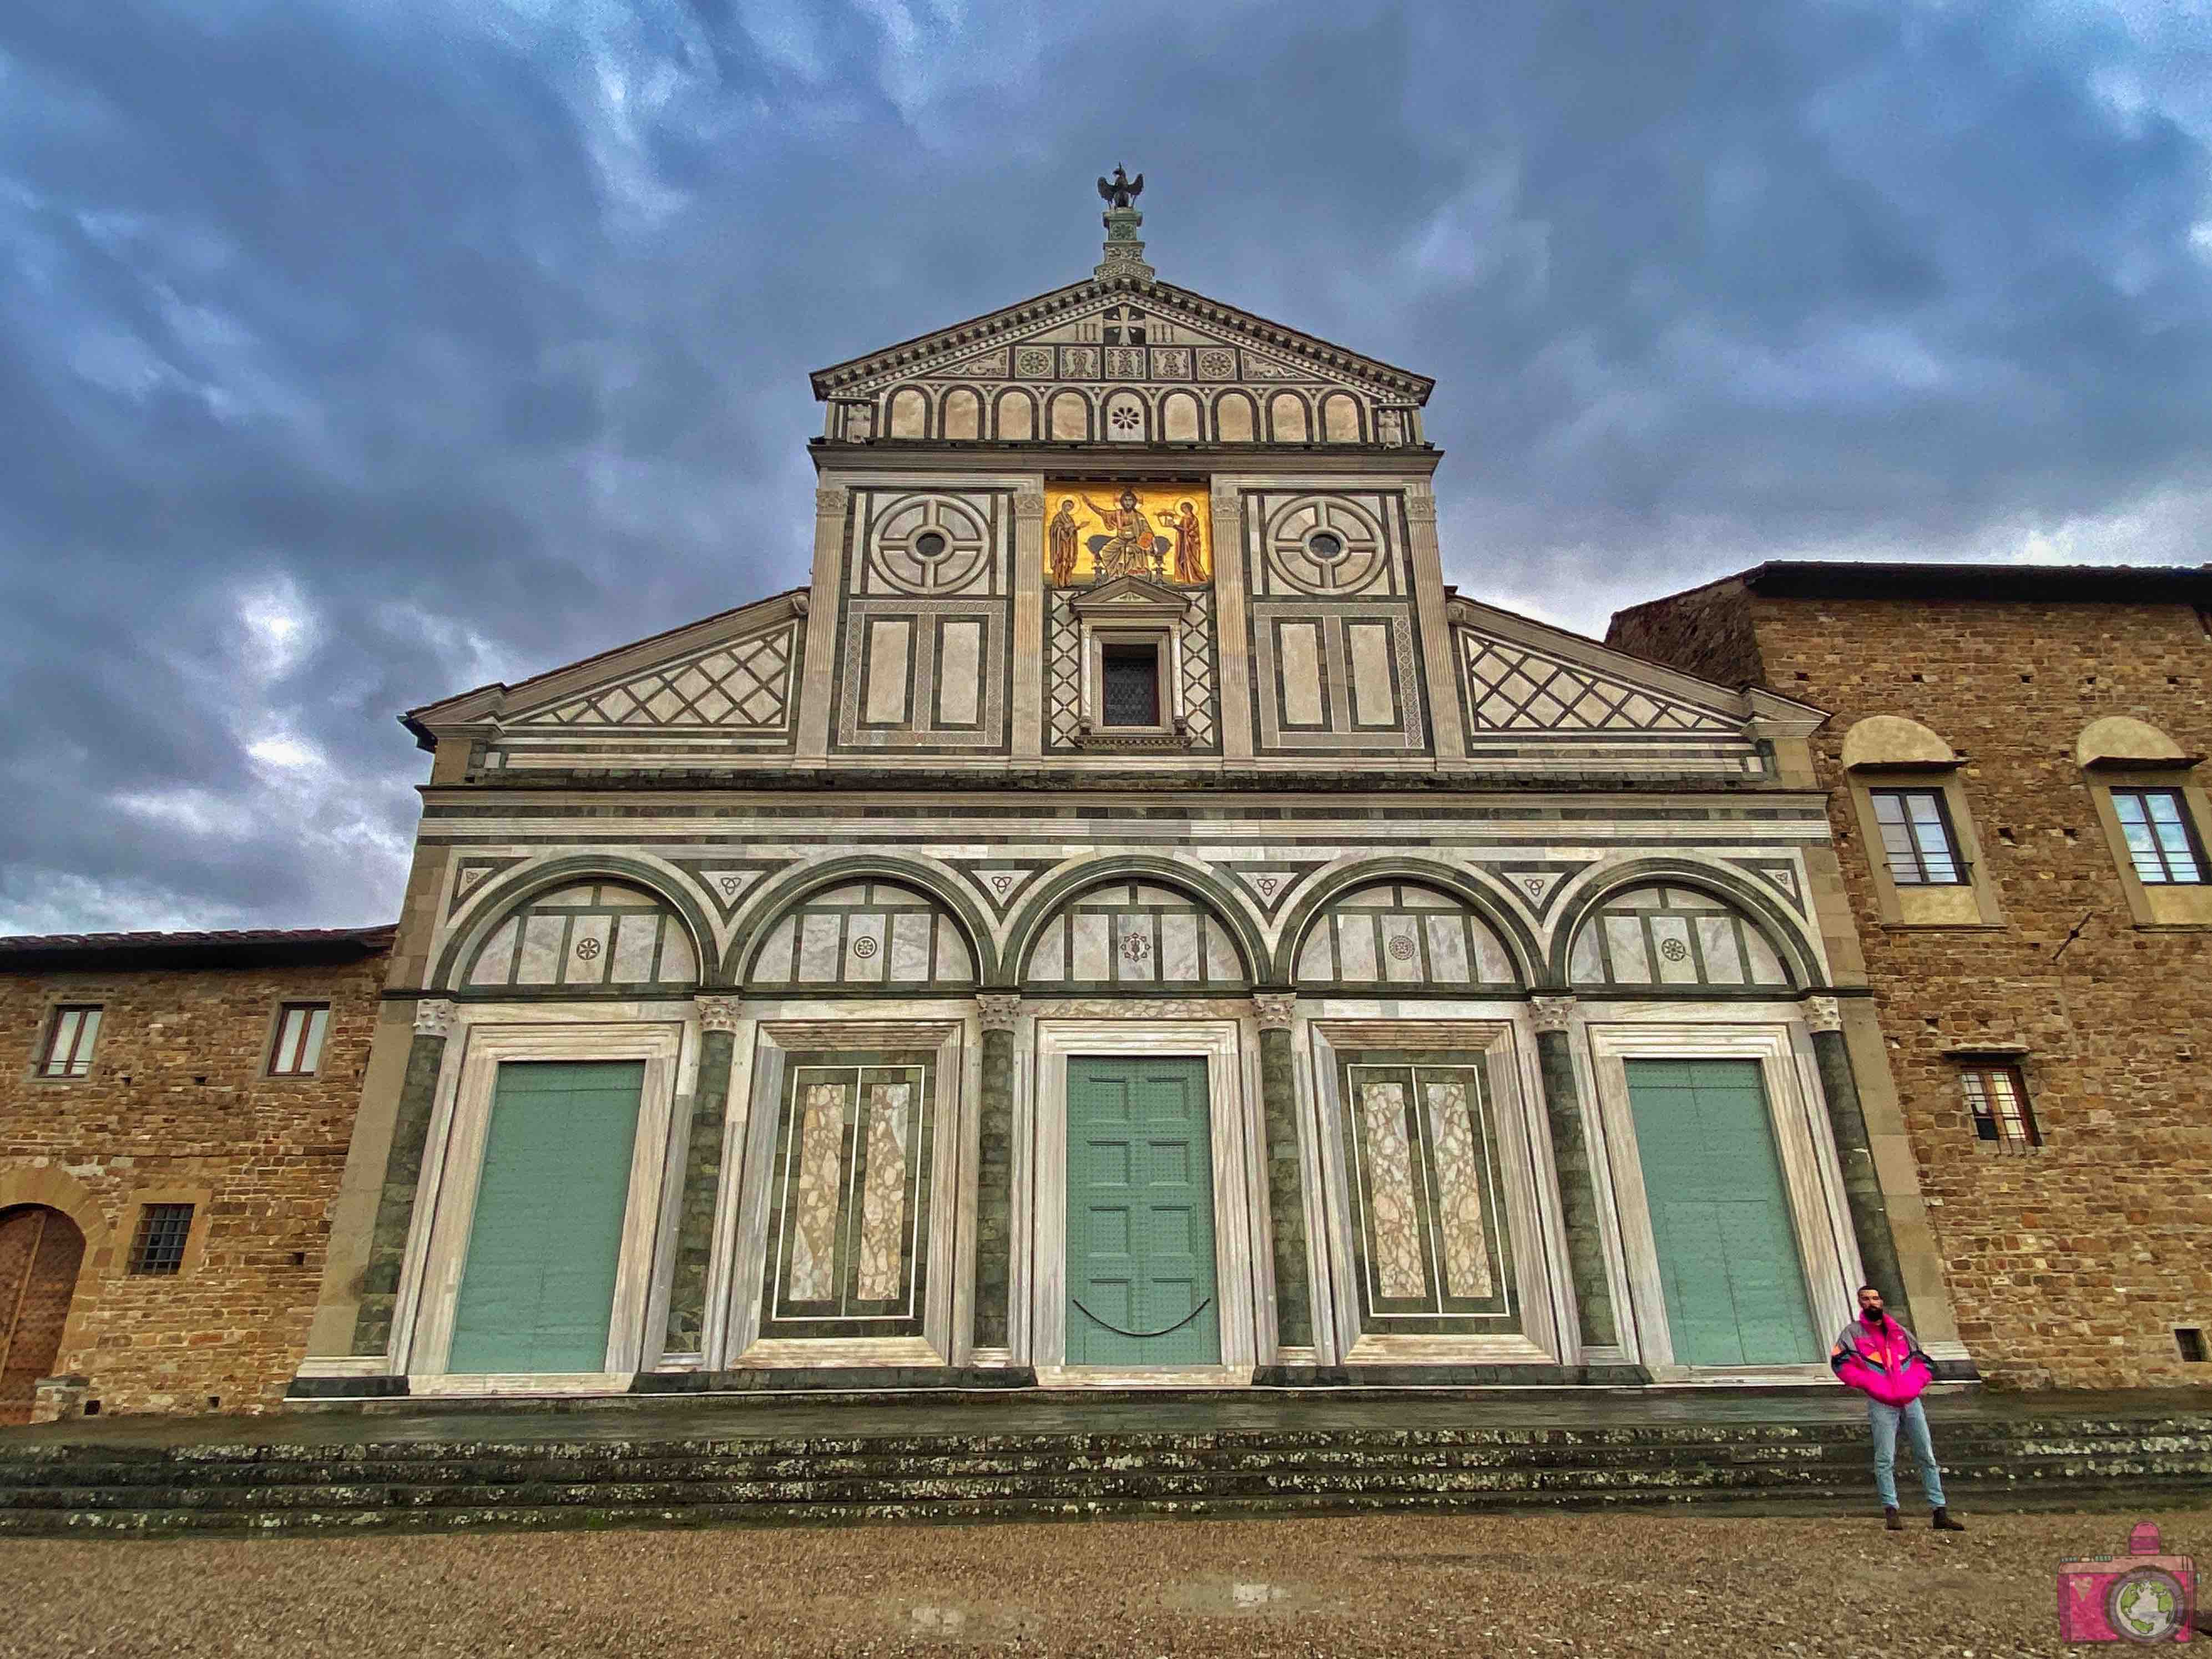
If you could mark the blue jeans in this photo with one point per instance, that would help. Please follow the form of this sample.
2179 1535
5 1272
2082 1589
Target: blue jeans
1883 1420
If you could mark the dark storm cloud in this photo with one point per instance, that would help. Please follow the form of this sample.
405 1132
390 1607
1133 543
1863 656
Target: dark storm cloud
354 355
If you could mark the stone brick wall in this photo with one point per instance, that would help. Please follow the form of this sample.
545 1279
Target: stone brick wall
2069 1265
178 1102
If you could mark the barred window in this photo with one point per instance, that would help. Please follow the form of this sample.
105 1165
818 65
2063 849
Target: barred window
2160 838
298 1049
1132 675
69 1040
1917 839
1998 1099
158 1247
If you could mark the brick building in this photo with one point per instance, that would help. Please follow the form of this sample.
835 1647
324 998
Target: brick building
2014 765
175 1112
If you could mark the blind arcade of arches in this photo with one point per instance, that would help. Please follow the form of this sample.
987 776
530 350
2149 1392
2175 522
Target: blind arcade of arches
867 933
1397 934
1129 934
592 934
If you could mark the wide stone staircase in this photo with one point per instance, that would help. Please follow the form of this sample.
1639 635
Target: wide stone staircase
547 1470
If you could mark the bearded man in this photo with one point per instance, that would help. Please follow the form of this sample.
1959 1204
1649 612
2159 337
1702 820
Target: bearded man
1878 1357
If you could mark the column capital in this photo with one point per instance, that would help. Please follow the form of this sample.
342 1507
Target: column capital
433 1017
1420 509
1000 1009
830 499
1824 1014
1553 1013
1029 506
718 1012
1276 1009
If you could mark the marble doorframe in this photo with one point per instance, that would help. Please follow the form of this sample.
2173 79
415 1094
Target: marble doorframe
1244 1271
665 1035
1531 1188
764 1045
1776 1036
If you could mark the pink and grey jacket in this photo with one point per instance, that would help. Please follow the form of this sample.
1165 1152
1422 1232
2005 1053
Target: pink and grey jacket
1883 1363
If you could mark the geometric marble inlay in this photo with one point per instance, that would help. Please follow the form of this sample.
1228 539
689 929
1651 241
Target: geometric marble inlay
815 1191
1393 1229
1515 689
1459 1190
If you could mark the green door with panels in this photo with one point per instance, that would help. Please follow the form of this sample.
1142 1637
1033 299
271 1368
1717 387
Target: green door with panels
1140 1215
1727 1254
538 1287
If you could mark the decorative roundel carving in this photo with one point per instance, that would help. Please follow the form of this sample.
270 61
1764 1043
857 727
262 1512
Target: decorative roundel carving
929 545
1402 948
1325 545
1034 361
1674 950
864 947
586 949
1136 947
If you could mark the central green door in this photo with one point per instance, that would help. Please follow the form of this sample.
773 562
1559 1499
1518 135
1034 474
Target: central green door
1140 1215
1727 1254
537 1288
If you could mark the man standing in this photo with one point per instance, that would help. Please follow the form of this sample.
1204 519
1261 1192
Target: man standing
1878 1357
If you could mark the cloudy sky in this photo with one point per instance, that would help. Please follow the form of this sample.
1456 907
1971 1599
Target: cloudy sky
355 354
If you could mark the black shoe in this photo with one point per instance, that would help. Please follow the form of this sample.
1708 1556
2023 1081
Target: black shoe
1889 1520
1944 1522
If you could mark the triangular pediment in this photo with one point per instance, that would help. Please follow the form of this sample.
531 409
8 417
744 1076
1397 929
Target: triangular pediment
1520 675
1072 334
1131 596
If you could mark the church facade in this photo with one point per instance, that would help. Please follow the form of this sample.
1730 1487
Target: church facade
1125 919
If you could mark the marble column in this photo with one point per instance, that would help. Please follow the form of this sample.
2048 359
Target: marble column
1438 651
815 693
402 1174
703 1174
1286 1203
1570 1158
994 1173
1839 1088
1028 700
1232 623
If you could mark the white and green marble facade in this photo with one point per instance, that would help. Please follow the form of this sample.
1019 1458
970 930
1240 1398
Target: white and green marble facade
857 870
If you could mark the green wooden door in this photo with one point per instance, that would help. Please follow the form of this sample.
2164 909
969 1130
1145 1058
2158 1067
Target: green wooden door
538 1284
1727 1254
1140 1215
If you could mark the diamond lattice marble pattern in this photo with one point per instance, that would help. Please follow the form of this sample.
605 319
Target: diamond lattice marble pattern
746 682
1517 689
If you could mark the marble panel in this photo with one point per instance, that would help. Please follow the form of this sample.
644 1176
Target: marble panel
1765 967
1374 702
1299 660
1670 940
1318 956
883 1198
910 945
867 951
1394 1241
1493 965
817 948
773 965
1179 954
541 949
1090 946
1134 958
1584 965
1222 966
1624 936
890 650
585 961
635 938
1355 946
679 964
1401 949
496 960
1459 1190
959 672
954 964
1723 962
625 898
1448 958
571 898
1048 960
816 1188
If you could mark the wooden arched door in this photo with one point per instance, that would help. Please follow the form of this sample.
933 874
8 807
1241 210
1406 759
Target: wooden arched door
41 1250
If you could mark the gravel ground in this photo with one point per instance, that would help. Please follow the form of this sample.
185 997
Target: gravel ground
1549 1584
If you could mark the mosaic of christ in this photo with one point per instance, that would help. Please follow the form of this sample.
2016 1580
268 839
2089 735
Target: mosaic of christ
1095 532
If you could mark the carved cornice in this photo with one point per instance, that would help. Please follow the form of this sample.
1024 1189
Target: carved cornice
718 1013
1553 1013
1824 1014
433 1017
1278 1010
831 500
1001 1009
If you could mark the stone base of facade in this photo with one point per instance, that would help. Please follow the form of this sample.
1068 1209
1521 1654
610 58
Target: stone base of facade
1450 1376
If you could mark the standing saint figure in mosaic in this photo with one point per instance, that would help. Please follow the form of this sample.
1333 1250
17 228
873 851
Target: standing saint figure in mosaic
1063 532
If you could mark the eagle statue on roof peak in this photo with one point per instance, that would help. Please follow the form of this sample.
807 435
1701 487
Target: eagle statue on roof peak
1117 191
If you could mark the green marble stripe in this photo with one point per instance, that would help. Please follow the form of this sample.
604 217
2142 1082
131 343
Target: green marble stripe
1285 1191
1577 1191
702 1181
395 1207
